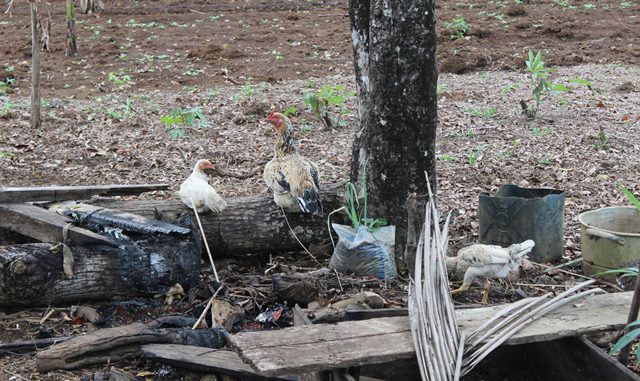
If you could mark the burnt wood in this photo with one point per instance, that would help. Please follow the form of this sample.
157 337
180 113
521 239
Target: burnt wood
64 193
32 275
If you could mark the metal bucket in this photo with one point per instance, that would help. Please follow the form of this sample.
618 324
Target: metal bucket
517 214
610 238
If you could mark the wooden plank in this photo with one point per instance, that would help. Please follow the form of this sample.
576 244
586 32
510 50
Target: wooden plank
63 193
201 359
357 343
45 226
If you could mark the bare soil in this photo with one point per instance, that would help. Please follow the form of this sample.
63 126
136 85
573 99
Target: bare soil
238 59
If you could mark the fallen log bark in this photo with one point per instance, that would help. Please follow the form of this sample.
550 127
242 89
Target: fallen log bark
251 224
115 344
32 274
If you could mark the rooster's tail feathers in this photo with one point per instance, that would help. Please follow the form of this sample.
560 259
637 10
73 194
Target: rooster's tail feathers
310 201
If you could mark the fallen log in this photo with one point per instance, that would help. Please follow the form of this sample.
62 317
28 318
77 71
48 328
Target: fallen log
33 275
21 346
119 343
251 224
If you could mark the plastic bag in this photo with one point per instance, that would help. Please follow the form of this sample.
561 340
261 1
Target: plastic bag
365 253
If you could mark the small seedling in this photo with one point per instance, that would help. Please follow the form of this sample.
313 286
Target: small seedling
474 156
291 110
119 79
327 102
459 27
359 217
176 121
540 132
540 83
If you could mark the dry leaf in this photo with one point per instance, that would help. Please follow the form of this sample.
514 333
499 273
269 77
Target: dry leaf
86 313
601 104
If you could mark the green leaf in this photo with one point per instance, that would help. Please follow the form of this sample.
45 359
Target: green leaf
176 133
581 81
628 271
559 87
630 196
633 324
625 340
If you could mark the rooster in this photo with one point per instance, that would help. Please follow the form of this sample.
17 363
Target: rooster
196 192
488 261
293 179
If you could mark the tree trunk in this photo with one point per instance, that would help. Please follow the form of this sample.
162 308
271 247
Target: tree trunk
394 46
35 66
32 275
72 45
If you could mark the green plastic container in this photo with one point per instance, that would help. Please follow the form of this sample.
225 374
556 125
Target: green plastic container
517 214
610 238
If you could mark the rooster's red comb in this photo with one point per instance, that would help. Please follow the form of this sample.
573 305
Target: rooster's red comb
271 115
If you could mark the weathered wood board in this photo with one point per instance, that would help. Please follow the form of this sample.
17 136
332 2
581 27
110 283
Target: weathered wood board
46 226
63 193
201 359
357 343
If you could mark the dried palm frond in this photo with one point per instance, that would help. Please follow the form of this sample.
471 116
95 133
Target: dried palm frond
435 332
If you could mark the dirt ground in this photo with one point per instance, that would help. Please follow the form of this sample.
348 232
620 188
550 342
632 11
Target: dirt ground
238 59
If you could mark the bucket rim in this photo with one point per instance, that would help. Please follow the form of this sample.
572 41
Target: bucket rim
624 234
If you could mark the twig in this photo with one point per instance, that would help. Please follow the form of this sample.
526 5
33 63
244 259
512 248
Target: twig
206 308
9 7
576 260
296 237
617 288
204 237
47 315
16 375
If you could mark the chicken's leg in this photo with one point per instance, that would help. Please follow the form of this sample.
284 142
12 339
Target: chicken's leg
465 286
485 292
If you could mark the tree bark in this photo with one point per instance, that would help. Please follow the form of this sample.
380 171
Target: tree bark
72 44
35 66
394 44
32 275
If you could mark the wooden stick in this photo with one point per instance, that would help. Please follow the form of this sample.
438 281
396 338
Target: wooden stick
36 120
204 237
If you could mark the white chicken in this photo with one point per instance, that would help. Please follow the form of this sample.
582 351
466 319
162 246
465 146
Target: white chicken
488 261
196 190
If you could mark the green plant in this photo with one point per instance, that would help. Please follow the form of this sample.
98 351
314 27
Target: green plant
119 79
326 102
291 110
540 83
246 92
589 6
7 154
459 27
487 113
474 156
537 131
176 121
359 217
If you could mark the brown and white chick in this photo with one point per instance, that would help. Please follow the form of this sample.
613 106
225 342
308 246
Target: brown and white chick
196 187
293 179
488 261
